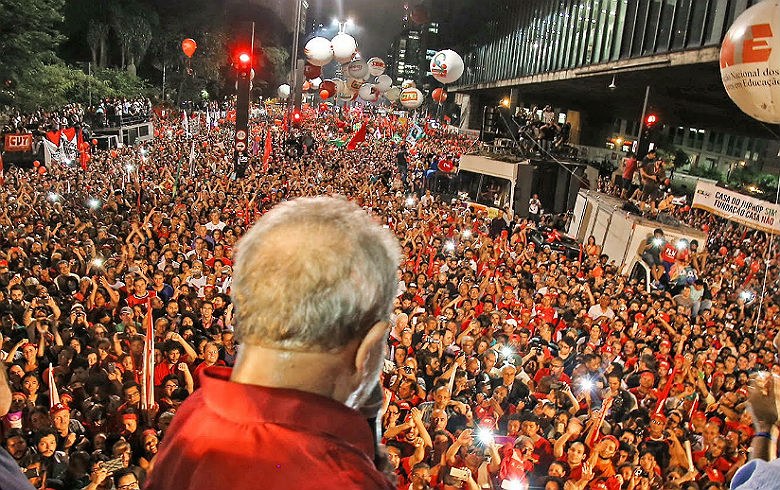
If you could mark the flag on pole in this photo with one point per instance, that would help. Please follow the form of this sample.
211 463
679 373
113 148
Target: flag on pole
54 395
359 137
192 159
83 151
185 122
267 149
2 171
147 383
208 120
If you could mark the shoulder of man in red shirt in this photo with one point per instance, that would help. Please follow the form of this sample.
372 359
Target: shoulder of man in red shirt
233 435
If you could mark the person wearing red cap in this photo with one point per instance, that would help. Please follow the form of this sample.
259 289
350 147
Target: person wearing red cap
310 359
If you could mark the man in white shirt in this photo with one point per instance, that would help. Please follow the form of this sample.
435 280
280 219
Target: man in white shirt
601 309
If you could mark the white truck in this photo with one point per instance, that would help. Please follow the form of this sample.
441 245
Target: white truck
620 234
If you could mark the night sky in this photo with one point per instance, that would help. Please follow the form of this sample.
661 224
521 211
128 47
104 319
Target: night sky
376 22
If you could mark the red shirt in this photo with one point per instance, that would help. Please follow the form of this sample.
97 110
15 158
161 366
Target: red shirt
233 435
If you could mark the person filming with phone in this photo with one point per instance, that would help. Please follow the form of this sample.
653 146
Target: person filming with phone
314 282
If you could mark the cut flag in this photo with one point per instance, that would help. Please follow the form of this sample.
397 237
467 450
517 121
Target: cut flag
359 137
267 150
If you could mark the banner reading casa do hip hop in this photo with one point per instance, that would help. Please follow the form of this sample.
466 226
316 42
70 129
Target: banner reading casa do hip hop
751 212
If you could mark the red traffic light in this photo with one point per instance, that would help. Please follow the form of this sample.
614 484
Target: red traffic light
651 119
297 116
244 58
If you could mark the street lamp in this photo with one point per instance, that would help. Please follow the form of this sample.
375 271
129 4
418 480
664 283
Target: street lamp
343 24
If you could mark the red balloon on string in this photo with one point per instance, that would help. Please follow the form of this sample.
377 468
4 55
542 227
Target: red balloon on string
188 46
439 95
94 141
723 251
324 94
36 164
41 170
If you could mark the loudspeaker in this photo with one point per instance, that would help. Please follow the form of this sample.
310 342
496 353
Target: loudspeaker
555 183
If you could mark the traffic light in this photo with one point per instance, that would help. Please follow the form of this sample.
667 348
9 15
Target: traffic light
647 134
650 120
243 63
296 117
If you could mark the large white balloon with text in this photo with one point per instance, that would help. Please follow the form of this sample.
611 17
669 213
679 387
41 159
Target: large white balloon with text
446 66
750 61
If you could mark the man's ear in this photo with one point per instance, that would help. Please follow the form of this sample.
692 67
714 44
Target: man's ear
372 345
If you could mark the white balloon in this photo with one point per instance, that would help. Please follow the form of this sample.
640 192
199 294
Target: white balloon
315 82
393 93
408 84
318 51
354 84
411 98
447 66
376 66
357 69
383 83
344 46
368 93
283 91
749 61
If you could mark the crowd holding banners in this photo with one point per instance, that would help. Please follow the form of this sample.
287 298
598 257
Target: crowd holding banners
506 365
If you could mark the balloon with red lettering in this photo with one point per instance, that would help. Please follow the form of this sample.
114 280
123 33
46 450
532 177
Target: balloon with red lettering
318 51
344 47
383 83
447 66
408 84
357 69
376 66
354 84
446 166
411 98
750 61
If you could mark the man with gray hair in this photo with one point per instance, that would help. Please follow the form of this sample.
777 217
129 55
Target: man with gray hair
314 283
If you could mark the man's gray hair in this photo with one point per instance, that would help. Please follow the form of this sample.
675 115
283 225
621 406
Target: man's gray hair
313 274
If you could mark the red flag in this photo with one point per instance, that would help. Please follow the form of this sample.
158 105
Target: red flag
359 137
83 156
147 383
267 150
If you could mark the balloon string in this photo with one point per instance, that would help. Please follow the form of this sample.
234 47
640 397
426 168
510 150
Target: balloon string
771 246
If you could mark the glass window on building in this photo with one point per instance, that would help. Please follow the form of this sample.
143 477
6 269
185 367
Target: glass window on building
651 27
665 26
698 16
681 13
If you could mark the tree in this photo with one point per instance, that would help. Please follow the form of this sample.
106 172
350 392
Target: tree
140 38
29 37
97 35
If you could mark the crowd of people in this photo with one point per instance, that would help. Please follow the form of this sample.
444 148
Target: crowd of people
506 367
108 112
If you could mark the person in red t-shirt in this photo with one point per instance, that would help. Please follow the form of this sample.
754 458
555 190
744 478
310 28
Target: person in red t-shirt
310 426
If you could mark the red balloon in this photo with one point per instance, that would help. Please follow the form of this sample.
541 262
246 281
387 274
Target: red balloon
113 153
439 95
189 46
328 85
94 141
41 170
311 72
324 94
446 166
723 251
36 164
